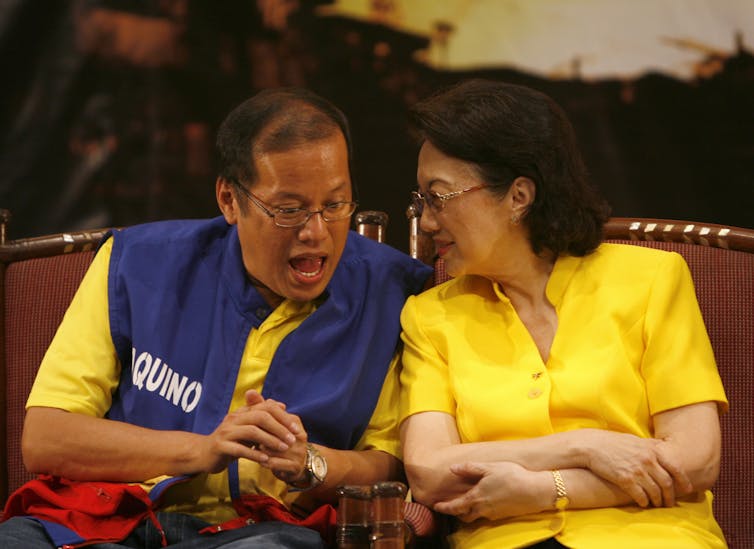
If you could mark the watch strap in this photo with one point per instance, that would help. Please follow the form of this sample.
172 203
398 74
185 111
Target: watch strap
311 479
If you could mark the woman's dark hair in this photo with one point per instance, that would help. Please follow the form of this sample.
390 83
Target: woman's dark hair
508 131
275 120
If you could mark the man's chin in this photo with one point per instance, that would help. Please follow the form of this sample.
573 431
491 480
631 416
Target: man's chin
307 292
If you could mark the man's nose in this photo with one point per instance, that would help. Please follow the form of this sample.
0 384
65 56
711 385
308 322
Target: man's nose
315 227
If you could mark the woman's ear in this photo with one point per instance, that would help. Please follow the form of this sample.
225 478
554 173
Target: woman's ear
226 200
522 191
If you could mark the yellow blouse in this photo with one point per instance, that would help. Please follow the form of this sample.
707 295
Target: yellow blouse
80 372
630 343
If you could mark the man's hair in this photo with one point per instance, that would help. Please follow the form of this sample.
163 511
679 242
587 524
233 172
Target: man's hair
508 131
275 120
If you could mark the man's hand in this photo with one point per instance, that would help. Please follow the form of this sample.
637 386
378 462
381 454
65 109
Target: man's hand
260 431
286 464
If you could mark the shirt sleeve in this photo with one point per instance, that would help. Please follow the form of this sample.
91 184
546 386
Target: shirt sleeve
382 431
80 370
678 365
425 383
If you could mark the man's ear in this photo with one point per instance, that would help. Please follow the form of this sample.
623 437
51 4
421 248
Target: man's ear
522 192
226 200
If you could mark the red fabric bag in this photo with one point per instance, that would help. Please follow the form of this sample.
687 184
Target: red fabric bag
102 511
109 511
254 508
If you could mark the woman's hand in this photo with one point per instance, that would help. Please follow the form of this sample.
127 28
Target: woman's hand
641 467
690 435
499 490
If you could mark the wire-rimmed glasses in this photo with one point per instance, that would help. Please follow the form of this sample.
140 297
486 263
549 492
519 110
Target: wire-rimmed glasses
436 201
297 217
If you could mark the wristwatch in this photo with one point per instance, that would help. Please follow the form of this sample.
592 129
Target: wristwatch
561 495
315 471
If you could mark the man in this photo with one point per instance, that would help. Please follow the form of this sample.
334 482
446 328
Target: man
215 368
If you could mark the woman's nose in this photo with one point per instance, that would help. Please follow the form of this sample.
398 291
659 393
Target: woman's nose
428 221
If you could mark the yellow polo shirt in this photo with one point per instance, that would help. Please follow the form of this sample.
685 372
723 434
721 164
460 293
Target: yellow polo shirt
630 343
80 372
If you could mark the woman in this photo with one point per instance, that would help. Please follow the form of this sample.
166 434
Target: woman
557 392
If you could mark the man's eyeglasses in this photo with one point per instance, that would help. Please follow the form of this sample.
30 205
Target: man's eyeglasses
436 201
297 217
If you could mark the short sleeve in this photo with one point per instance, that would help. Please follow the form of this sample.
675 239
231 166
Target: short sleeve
382 431
425 383
678 365
80 370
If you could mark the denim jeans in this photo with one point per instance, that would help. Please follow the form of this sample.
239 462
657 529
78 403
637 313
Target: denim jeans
181 532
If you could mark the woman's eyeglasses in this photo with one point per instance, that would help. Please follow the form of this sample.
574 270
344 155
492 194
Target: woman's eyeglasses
436 201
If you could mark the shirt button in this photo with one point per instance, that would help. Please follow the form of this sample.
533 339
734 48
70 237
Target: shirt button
534 393
536 375
261 313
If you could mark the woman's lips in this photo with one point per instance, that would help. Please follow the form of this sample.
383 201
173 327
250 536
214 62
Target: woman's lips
442 247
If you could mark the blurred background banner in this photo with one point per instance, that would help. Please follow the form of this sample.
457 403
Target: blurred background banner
109 108
565 39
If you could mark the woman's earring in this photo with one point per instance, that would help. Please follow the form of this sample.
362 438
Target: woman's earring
515 219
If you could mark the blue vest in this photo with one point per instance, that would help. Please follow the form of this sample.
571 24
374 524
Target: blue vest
182 308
